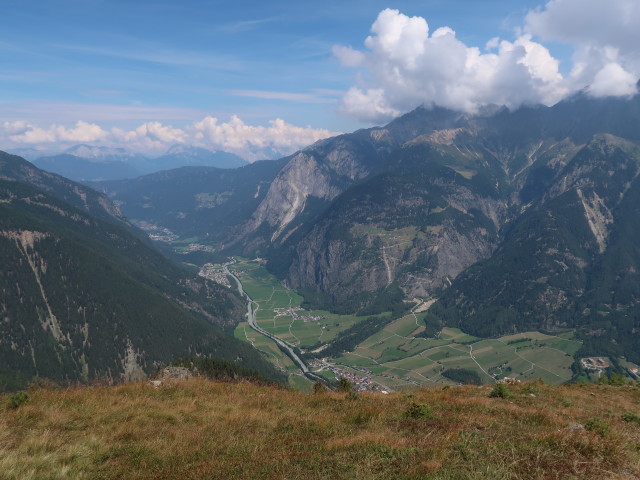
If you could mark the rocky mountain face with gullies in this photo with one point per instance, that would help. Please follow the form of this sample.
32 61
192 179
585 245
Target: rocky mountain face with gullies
417 206
312 178
569 261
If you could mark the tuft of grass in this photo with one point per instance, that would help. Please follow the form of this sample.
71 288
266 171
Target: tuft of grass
419 411
631 417
351 395
319 388
18 399
500 390
597 425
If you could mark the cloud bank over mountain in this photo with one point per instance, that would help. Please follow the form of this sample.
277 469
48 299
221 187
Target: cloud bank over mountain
405 64
252 142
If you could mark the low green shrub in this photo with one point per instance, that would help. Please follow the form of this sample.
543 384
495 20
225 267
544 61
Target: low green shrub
596 425
500 390
418 411
631 417
18 399
344 385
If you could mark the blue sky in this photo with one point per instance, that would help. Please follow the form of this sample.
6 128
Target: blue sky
120 64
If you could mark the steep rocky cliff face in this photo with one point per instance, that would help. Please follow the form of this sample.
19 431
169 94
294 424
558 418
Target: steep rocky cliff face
326 169
418 223
570 261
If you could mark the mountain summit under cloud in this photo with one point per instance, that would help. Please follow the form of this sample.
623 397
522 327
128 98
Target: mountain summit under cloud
101 154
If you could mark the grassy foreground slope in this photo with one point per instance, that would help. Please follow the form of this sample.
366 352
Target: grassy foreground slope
199 429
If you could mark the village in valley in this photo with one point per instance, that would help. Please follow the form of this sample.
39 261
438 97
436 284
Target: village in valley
595 364
216 273
397 357
359 383
599 365
295 314
157 233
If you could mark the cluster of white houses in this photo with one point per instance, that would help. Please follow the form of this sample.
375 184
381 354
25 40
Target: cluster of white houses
294 313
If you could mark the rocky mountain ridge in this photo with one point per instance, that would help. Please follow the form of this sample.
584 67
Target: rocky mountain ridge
323 170
17 169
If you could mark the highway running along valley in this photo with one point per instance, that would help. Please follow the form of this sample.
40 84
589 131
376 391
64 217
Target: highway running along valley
287 348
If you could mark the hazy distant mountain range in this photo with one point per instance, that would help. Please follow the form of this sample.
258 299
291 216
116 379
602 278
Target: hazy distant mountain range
91 163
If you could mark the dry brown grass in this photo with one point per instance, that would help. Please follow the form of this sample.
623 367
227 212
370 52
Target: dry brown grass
199 429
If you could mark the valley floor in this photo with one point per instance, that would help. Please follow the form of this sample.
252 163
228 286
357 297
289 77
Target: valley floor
199 429
398 357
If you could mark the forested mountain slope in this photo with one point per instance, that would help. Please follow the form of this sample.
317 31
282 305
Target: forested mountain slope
204 202
18 169
83 299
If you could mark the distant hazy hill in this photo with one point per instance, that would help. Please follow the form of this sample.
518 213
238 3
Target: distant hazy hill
81 169
85 163
203 202
186 156
84 298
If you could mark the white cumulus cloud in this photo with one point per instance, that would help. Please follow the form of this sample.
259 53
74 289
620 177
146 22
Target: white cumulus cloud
23 132
604 35
612 79
149 137
250 141
405 65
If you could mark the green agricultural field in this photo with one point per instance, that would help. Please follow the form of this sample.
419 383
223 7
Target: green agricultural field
279 313
396 357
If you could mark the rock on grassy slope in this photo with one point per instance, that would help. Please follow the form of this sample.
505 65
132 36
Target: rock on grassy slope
198 429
